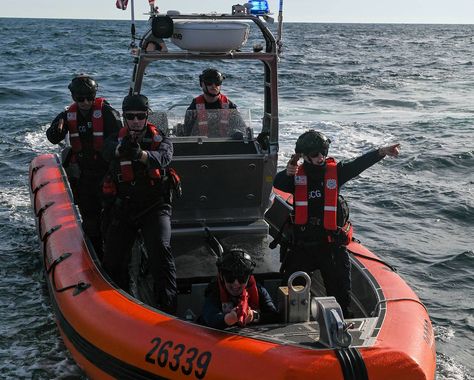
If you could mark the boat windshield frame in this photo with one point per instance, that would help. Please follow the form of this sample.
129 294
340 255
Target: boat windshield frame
268 56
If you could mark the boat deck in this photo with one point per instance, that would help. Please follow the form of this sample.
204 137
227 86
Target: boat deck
308 333
195 262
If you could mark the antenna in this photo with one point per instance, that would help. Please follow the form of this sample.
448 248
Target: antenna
280 27
132 28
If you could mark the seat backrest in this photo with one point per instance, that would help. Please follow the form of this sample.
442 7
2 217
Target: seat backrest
160 120
224 182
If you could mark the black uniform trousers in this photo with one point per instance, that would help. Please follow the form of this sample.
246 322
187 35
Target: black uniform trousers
87 195
333 262
155 227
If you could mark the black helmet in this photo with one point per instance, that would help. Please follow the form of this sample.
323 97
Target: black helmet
135 102
211 76
83 85
312 141
237 262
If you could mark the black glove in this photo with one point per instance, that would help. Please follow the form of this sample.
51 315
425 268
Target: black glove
135 151
125 147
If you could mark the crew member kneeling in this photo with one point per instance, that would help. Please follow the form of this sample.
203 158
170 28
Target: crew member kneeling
141 202
234 298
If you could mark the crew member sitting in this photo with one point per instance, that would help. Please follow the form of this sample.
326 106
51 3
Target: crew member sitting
234 297
213 114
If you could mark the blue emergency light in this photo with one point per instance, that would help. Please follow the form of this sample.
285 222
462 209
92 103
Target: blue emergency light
259 7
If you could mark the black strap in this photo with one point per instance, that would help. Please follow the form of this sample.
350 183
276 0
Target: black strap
279 236
352 364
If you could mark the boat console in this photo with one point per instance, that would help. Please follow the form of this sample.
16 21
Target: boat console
226 171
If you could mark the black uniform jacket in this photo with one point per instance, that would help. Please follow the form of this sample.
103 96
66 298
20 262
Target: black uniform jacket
346 170
88 158
143 191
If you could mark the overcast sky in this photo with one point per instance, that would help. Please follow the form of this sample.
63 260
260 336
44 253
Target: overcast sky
367 11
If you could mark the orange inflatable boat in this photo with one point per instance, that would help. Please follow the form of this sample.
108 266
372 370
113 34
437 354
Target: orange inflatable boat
227 188
112 334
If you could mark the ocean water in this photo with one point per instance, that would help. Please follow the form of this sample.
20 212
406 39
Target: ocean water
362 85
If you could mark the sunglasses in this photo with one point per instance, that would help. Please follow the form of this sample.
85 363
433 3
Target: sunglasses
316 154
230 278
132 116
210 83
80 99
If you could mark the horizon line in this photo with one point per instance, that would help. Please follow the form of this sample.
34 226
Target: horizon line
284 22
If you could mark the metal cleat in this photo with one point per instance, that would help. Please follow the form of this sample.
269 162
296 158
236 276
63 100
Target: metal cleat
333 329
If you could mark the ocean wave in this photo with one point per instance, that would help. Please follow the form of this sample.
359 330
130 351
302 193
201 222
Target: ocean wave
38 143
9 94
396 103
458 161
461 262
448 369
14 204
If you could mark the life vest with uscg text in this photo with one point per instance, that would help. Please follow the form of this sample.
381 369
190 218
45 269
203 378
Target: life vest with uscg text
330 195
97 126
330 202
248 298
202 115
126 167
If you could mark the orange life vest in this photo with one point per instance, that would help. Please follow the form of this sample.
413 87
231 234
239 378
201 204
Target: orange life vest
97 126
249 297
330 195
202 115
342 235
126 167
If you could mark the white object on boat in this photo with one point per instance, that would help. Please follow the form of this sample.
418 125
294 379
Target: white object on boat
210 36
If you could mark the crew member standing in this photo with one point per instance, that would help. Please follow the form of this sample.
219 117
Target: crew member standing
320 226
91 123
139 183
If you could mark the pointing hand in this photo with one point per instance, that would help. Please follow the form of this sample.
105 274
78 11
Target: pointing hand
391 150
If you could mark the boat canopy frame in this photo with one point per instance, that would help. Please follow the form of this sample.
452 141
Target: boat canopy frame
268 56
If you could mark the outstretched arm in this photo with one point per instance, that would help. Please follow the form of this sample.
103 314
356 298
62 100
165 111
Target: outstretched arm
352 168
